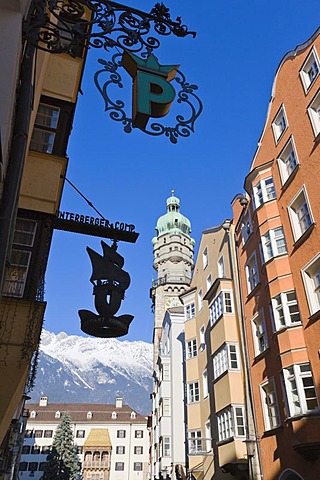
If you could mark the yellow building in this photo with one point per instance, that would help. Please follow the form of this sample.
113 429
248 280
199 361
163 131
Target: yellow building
34 140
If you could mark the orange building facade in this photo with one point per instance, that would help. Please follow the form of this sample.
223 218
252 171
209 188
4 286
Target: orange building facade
278 241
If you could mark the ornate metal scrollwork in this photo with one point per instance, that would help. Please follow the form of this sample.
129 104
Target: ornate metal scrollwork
68 26
116 108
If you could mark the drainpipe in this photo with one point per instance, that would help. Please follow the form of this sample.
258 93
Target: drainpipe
18 150
252 441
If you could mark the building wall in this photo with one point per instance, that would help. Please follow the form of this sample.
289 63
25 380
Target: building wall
292 441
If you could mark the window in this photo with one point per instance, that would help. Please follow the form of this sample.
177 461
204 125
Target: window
166 372
252 273
23 466
33 466
79 449
57 415
133 415
191 348
314 113
38 433
288 160
273 243
48 433
16 273
33 414
279 124
195 442
119 466
225 359
299 386
35 450
205 390
310 70
165 407
246 227
25 449
120 449
221 268
121 434
137 466
269 405
259 333
300 214
209 281
193 392
42 466
114 415
200 299
46 450
231 423
285 310
202 338
205 258
28 434
80 433
221 304
311 280
138 450
166 446
263 191
208 436
44 132
89 415
138 434
190 311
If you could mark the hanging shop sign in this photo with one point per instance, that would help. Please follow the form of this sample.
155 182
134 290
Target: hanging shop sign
110 282
97 227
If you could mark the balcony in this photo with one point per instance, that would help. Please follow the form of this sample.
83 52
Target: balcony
199 446
95 464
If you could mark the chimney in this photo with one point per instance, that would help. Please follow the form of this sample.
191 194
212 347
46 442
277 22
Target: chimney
119 402
43 401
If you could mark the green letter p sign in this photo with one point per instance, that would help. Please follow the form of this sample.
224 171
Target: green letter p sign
152 90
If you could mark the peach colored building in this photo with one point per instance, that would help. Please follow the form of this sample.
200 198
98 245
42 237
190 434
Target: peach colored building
278 239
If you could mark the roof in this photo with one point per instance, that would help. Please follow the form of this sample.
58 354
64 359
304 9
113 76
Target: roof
98 437
78 413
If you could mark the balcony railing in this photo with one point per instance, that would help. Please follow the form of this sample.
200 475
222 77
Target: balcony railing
95 464
199 446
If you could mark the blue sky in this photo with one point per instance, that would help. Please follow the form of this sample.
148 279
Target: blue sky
128 177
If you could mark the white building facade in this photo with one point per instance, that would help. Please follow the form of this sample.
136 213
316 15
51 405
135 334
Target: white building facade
126 434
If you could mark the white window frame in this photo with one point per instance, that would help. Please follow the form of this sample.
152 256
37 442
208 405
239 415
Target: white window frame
166 446
226 359
205 257
314 113
280 124
273 243
191 348
270 406
264 191
209 281
208 438
166 374
311 63
222 304
190 310
246 227
165 406
252 273
300 213
311 280
221 267
297 400
284 308
195 442
205 386
288 160
200 300
259 333
229 425
193 392
202 338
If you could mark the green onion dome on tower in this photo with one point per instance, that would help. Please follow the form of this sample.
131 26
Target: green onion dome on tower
172 222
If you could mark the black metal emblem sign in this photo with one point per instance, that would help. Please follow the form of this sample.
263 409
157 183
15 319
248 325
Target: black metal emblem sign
109 284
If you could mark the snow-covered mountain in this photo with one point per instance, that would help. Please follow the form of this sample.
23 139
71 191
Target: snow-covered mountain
75 369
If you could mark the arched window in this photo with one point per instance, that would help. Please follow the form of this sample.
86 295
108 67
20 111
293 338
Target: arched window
133 415
290 475
57 414
114 415
89 415
33 414
87 456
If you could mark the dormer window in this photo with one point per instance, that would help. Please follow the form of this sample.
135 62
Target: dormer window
33 414
89 415
133 415
310 70
114 415
57 414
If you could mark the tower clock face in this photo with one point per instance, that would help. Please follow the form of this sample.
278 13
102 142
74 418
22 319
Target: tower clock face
172 302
